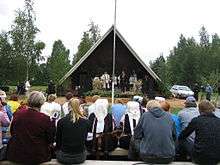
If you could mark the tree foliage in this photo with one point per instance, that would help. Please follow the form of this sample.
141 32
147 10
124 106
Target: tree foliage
89 38
20 52
58 63
191 62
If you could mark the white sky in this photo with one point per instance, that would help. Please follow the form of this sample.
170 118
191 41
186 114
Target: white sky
151 27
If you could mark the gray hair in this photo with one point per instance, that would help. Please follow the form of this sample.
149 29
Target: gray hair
153 104
36 99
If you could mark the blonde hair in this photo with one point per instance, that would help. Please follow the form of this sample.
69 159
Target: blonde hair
153 104
51 97
95 97
75 112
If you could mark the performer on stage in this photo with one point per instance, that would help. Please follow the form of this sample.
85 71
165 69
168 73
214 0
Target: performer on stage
133 80
106 80
123 81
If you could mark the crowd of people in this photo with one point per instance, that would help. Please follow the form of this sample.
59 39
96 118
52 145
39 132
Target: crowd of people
43 129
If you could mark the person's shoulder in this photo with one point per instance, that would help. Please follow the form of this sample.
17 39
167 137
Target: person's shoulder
85 121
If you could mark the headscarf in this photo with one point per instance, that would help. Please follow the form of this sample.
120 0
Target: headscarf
133 111
101 111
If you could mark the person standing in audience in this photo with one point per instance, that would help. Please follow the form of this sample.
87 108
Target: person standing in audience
71 135
208 90
32 133
206 148
186 115
155 135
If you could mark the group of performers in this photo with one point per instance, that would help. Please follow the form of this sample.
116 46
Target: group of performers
122 81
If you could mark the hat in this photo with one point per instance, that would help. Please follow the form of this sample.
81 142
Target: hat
2 94
190 99
138 99
158 98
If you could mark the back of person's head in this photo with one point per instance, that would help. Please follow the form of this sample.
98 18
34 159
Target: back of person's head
95 97
14 97
2 95
165 106
206 106
144 101
69 95
119 101
51 97
75 112
190 102
36 99
153 104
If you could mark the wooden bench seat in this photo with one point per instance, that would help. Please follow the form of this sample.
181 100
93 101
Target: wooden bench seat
97 162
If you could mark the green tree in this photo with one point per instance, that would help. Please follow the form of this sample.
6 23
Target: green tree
5 59
26 51
159 67
89 38
58 63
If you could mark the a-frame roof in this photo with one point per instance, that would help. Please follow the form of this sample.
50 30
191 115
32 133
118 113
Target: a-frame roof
150 71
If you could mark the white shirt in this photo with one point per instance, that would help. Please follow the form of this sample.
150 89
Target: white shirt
51 108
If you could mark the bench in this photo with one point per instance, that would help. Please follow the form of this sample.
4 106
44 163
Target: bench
98 162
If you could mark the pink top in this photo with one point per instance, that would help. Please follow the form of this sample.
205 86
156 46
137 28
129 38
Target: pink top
4 122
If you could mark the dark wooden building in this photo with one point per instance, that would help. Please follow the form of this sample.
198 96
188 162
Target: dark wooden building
99 60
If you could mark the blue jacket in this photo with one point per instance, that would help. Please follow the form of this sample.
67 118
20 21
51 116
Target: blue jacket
156 130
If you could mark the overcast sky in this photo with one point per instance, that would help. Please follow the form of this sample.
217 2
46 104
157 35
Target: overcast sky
151 27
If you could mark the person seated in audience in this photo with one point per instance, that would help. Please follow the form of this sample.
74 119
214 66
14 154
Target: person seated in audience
154 136
186 115
91 108
118 110
4 122
101 128
140 99
217 109
129 122
51 108
166 107
65 106
206 148
13 102
71 135
32 133
6 107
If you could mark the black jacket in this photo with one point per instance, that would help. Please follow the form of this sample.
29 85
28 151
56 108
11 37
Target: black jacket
71 137
207 140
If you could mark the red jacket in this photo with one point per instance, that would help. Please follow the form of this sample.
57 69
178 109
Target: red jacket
32 135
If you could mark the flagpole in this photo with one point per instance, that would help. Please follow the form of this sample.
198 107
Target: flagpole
113 61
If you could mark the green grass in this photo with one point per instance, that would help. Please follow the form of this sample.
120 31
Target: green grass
12 89
175 110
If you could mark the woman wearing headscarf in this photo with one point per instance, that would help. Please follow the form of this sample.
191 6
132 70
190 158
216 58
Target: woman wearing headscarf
102 125
71 135
129 122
